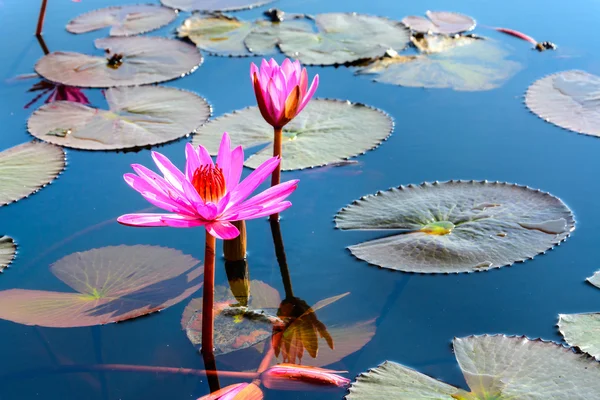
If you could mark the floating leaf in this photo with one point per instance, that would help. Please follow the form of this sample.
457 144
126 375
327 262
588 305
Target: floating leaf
214 5
123 20
28 167
217 34
341 38
265 37
495 367
443 22
326 131
430 44
569 99
595 279
457 226
111 284
8 250
137 116
480 65
127 61
236 328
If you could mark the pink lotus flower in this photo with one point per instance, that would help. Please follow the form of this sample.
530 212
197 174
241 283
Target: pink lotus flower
281 92
239 391
295 377
208 194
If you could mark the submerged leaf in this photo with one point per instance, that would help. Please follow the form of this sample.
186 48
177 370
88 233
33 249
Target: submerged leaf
443 22
111 284
569 99
474 66
214 5
26 168
123 20
495 367
457 226
137 116
217 34
341 38
326 131
127 61
8 250
430 44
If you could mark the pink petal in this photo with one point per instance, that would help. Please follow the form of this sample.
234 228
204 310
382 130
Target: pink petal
205 158
309 94
152 220
252 181
161 184
172 174
303 83
270 210
155 197
223 203
274 194
273 64
288 68
222 230
224 156
237 165
253 70
276 102
192 161
265 69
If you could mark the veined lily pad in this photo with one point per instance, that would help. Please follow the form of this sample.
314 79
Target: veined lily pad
326 131
8 249
495 368
457 226
214 5
266 36
127 61
583 330
341 38
475 66
26 168
123 20
111 284
443 22
236 327
217 34
569 99
137 116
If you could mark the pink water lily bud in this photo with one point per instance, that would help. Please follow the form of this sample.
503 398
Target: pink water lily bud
281 92
208 194
239 391
299 377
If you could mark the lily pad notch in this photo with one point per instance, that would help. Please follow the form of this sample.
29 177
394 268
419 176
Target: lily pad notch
8 252
457 226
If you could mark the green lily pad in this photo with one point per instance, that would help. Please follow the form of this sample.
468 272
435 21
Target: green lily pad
28 167
123 20
110 284
474 66
595 279
341 38
136 117
440 22
218 34
126 61
265 37
326 131
569 99
495 368
8 250
214 5
236 327
457 226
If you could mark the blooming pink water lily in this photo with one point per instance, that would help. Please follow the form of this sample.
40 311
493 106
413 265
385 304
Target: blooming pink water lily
281 92
295 377
207 194
239 391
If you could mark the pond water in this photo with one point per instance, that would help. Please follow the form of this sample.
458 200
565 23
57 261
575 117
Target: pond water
439 135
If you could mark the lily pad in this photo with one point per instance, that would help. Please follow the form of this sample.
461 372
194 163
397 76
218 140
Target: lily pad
110 284
214 5
28 167
341 38
126 61
457 226
495 367
326 131
236 327
475 66
123 20
595 279
443 22
136 117
569 99
218 34
8 250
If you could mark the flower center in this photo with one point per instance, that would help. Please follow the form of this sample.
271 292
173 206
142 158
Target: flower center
209 183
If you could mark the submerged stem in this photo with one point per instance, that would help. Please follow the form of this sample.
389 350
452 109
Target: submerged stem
276 176
208 295
40 24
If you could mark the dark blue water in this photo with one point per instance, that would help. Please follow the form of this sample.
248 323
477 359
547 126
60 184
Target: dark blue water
440 135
